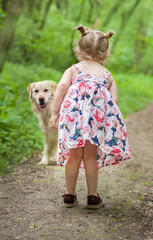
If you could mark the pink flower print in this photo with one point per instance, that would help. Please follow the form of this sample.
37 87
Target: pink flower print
107 162
88 86
71 93
114 110
115 151
66 104
107 122
115 161
85 129
119 134
98 117
70 119
92 133
61 118
79 77
82 86
80 143
106 149
123 131
120 144
102 94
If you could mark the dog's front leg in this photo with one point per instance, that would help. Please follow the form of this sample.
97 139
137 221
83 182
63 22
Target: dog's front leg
46 157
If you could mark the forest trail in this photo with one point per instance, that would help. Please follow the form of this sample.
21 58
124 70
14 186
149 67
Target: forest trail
31 203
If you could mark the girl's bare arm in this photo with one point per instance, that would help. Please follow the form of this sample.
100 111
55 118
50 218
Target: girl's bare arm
113 89
59 95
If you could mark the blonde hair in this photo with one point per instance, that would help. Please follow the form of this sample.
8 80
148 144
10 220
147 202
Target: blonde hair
93 44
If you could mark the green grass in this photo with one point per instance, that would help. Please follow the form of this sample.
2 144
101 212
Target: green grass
20 135
134 91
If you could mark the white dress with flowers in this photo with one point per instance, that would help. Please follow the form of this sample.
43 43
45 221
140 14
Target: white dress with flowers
88 112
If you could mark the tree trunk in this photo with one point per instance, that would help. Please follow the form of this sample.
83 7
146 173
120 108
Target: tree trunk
38 5
125 17
5 4
73 32
140 43
58 4
96 4
31 5
90 11
67 7
112 12
45 14
81 11
63 6
8 30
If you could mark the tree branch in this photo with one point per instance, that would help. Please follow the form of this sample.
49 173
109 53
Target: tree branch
45 14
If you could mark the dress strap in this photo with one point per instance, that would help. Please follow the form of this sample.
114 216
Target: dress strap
77 68
107 74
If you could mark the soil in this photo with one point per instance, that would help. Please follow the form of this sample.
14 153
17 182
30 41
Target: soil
31 197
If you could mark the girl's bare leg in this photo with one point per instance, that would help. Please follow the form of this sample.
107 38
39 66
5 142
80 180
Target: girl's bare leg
72 169
91 167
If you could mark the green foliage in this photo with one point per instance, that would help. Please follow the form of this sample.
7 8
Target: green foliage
53 44
38 54
50 46
20 133
134 91
2 17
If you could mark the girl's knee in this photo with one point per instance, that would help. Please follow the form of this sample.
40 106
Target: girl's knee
90 151
73 160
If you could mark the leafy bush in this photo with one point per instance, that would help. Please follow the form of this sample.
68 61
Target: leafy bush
52 46
20 134
134 91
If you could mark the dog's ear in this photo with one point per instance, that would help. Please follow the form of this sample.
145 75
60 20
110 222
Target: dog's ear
53 86
29 89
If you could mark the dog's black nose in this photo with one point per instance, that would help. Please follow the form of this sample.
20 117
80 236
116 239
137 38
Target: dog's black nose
41 100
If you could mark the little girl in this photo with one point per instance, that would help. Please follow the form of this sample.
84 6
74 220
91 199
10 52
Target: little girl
91 132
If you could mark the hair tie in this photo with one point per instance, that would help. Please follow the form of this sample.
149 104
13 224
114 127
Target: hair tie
108 34
82 30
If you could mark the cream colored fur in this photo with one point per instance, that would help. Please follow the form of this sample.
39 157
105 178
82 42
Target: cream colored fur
41 96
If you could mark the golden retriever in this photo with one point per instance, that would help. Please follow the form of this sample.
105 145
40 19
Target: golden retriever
41 96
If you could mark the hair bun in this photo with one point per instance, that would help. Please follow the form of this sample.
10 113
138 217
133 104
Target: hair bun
82 29
109 34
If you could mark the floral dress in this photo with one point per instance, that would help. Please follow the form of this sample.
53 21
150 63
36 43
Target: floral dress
88 112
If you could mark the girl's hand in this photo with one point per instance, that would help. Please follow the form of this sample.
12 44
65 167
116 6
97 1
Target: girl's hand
59 96
53 121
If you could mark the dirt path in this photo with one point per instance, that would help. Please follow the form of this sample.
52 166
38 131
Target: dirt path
31 203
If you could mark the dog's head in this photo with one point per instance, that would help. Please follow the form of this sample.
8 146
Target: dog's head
41 93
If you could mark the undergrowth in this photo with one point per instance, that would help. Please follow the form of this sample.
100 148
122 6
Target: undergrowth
20 134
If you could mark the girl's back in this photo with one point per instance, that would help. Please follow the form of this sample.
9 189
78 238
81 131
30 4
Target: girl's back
92 67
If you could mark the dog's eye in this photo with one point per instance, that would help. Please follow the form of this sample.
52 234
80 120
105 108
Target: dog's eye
46 90
36 91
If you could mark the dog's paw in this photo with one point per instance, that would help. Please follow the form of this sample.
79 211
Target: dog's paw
53 160
44 161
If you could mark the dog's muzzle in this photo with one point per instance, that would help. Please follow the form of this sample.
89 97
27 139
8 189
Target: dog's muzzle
42 103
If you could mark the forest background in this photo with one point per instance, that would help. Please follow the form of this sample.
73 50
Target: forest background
36 43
